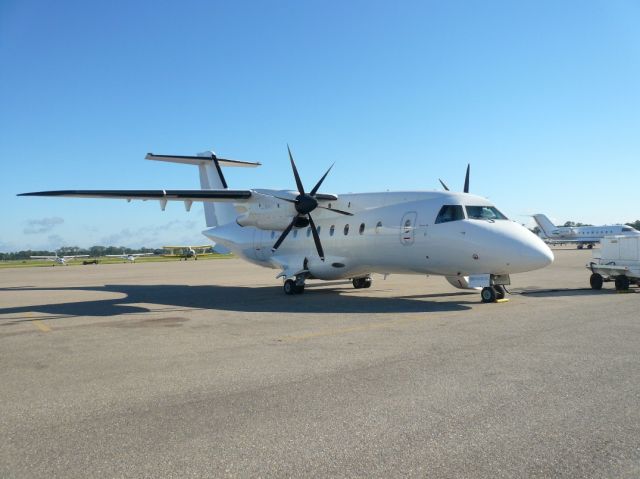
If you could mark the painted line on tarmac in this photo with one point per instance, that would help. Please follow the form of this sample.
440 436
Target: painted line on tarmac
41 326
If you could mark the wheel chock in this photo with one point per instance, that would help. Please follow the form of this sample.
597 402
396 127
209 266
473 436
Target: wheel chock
504 300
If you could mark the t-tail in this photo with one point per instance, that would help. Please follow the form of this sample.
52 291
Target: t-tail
211 178
545 224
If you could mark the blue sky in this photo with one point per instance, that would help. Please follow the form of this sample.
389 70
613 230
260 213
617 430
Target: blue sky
541 98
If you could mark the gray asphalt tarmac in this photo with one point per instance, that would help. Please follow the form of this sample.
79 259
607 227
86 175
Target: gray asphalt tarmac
206 369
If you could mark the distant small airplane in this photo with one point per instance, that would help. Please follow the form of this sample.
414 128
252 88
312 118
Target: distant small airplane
60 259
186 252
131 257
580 235
460 236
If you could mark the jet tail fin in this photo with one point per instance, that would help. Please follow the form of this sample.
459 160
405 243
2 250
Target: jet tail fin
544 224
211 178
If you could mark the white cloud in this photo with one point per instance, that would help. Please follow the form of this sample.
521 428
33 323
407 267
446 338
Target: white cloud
43 225
154 236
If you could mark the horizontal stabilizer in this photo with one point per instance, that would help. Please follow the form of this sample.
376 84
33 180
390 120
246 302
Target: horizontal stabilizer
201 160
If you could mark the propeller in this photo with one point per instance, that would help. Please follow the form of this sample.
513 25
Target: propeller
304 204
466 181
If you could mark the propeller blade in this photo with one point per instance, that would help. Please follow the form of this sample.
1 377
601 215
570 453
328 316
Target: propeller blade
443 185
283 235
315 188
316 237
335 210
295 173
283 199
466 180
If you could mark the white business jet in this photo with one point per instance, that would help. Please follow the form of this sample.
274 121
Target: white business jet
307 234
62 260
580 235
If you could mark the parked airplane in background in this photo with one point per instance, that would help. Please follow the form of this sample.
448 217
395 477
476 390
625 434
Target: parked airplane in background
131 257
460 236
187 252
60 259
580 235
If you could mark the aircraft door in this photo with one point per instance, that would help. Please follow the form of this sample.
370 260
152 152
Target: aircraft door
408 228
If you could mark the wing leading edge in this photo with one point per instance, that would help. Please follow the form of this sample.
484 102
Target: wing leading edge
167 195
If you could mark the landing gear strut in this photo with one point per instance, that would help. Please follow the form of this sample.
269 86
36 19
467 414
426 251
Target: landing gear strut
359 283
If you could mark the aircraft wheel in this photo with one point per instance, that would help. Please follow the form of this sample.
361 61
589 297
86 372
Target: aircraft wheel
488 294
622 283
596 281
300 289
500 291
580 246
367 282
290 287
357 283
589 246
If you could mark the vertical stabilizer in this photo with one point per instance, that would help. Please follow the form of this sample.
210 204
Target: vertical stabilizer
544 224
211 178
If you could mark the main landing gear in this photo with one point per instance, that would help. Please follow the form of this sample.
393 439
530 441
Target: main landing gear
491 294
293 287
359 283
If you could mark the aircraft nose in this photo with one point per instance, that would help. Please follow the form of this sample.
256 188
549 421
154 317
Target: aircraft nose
538 254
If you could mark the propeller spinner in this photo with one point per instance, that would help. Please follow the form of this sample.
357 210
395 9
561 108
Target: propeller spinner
304 204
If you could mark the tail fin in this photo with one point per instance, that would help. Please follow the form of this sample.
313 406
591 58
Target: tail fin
545 224
211 178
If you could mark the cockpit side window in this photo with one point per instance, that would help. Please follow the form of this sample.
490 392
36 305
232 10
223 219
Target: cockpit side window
450 213
484 213
627 228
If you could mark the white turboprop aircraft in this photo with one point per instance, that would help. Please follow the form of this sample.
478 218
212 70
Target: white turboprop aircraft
60 259
186 252
460 236
580 235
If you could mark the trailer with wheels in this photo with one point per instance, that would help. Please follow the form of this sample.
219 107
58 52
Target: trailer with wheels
618 260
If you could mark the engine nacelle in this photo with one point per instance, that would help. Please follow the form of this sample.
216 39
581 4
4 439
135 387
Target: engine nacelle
265 220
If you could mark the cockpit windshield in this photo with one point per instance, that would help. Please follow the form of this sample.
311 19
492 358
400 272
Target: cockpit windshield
484 213
450 213
627 228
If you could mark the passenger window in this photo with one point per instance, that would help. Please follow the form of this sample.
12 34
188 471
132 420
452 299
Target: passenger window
308 231
318 228
332 230
273 234
361 230
450 213
295 233
378 226
346 229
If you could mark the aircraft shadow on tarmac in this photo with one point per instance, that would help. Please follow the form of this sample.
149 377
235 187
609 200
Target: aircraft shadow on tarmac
568 292
238 298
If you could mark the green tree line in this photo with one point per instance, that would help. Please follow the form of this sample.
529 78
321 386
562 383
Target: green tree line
94 251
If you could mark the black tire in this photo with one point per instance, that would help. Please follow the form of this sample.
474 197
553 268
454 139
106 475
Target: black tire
500 291
358 283
580 246
596 281
367 283
488 294
589 246
289 287
622 283
300 289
